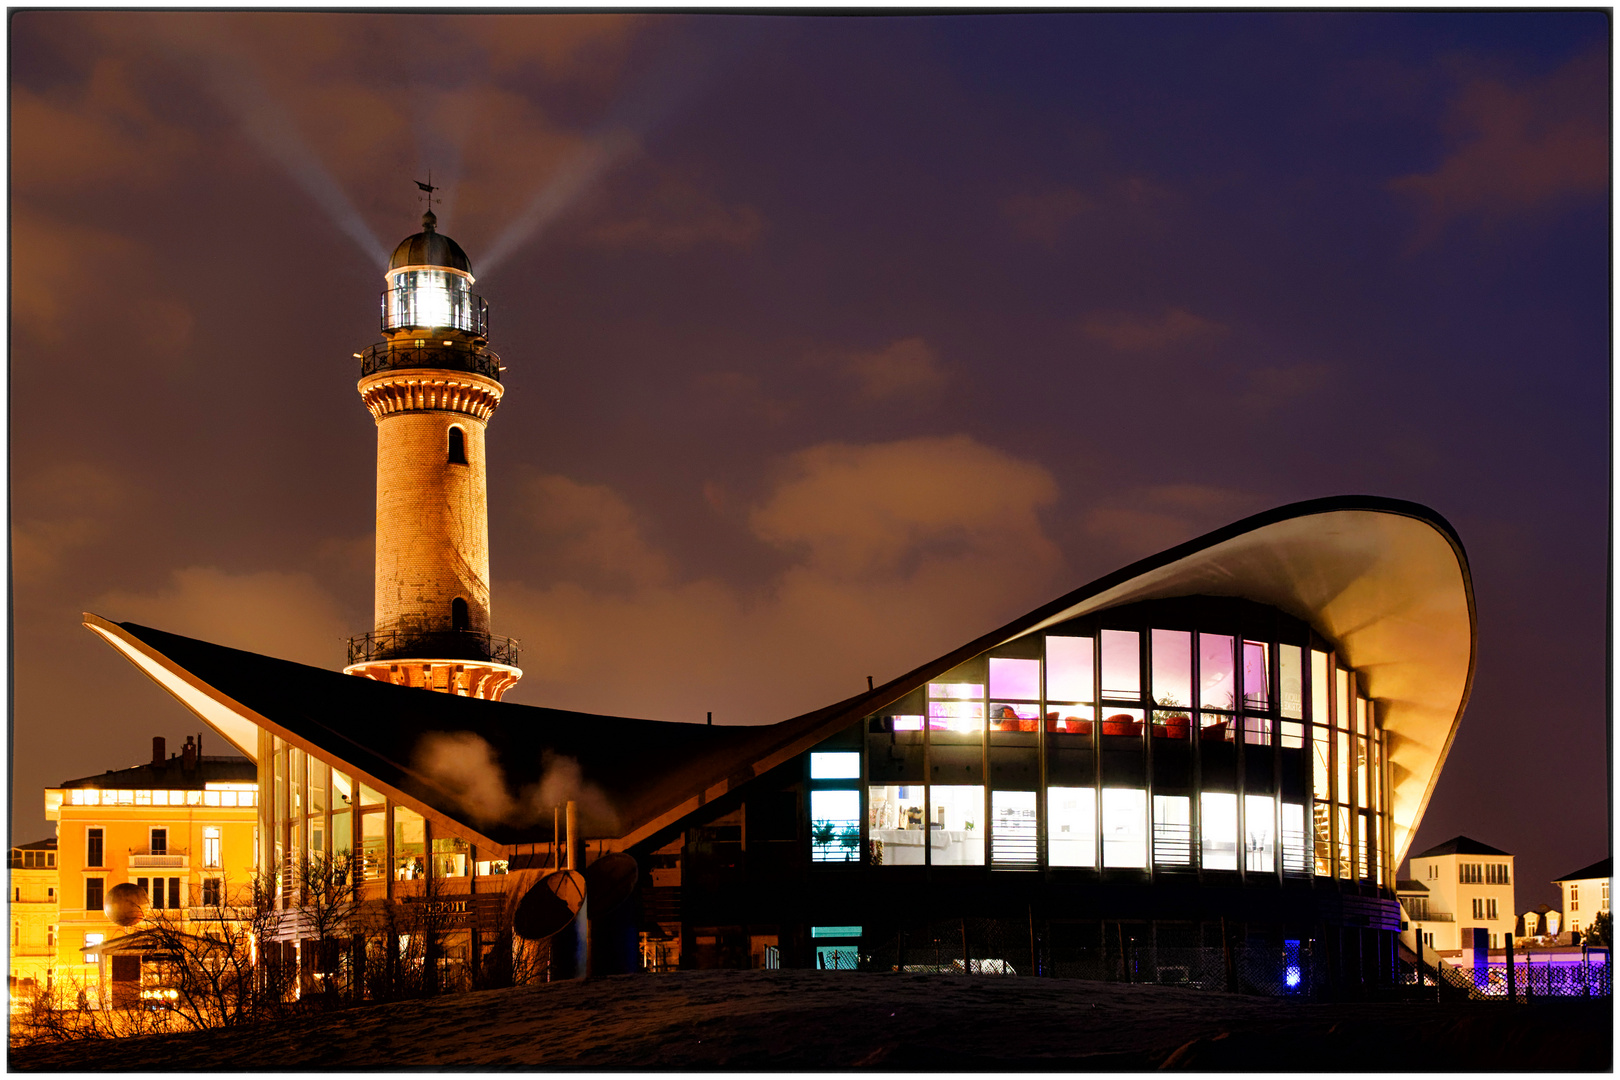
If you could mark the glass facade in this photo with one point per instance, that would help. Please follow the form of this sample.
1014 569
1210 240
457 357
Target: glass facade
1171 737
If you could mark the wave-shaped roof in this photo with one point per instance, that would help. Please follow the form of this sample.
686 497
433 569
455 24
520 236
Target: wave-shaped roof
1387 581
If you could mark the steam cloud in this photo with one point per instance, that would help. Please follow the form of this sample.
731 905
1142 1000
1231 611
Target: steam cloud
463 764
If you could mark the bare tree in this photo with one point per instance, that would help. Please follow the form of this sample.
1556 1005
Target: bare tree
326 920
210 966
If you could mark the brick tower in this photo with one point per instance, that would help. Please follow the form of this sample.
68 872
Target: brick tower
431 385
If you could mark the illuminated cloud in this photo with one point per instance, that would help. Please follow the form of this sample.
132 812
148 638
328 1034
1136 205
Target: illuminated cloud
1130 332
897 551
70 261
1043 217
102 136
906 370
1517 147
288 615
60 509
858 510
1142 521
1271 388
677 214
588 533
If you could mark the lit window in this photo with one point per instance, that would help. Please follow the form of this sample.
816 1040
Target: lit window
1017 679
211 840
1071 826
93 939
1215 672
1293 837
1012 821
1218 830
1121 664
409 853
1172 668
1256 675
1124 827
1259 834
835 826
1172 828
1068 669
1292 697
895 824
835 766
958 814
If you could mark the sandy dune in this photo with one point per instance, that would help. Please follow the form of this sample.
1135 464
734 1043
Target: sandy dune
802 1020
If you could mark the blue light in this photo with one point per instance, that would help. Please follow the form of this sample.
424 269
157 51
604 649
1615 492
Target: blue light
1291 965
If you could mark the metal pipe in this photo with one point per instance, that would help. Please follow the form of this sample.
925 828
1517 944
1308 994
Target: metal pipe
573 837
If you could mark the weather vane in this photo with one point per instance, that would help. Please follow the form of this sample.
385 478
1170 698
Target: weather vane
430 189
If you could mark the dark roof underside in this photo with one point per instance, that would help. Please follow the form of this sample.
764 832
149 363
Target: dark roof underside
634 768
47 844
1599 869
1461 845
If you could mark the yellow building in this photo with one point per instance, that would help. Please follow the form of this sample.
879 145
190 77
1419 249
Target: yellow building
33 919
182 828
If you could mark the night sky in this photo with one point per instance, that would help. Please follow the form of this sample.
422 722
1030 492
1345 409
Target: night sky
832 342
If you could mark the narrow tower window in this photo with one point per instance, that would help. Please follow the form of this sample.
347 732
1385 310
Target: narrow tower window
458 606
458 446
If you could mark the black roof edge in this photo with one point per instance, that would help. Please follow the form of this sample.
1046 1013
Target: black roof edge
1601 869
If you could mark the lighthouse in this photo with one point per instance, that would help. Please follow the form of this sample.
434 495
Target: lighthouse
431 385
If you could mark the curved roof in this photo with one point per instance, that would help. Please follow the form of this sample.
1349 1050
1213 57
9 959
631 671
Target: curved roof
430 248
1387 581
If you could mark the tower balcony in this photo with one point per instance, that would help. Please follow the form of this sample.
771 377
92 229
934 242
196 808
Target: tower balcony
441 353
438 645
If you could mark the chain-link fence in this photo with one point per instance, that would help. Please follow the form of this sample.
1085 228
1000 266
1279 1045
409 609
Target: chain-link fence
1533 977
1103 952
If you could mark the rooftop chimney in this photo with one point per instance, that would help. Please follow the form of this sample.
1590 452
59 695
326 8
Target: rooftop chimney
188 755
157 749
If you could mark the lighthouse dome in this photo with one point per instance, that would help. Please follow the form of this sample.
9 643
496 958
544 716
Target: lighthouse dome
430 248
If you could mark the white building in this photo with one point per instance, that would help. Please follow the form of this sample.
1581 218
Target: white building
1586 894
1464 884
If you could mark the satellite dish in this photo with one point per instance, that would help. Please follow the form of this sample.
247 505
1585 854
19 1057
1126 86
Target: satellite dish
611 879
126 904
550 905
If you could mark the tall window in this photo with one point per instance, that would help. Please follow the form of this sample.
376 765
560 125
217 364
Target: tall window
211 846
92 849
212 893
160 841
93 896
458 447
458 614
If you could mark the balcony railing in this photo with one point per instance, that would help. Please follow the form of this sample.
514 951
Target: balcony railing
435 645
146 858
384 357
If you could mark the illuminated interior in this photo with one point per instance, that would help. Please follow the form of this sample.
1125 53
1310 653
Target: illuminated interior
1130 782
433 298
